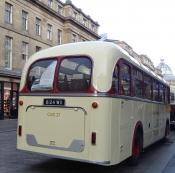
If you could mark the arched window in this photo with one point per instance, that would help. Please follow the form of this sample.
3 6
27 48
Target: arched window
125 80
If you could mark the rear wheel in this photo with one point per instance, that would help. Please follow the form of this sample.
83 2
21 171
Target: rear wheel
167 131
136 148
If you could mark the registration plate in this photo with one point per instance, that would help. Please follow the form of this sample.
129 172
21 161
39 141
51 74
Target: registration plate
59 102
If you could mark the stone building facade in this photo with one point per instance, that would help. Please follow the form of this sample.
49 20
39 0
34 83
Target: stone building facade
31 25
27 26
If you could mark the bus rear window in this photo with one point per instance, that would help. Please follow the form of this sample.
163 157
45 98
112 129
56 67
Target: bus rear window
41 75
74 74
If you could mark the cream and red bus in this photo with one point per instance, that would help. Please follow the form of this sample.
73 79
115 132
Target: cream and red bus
90 102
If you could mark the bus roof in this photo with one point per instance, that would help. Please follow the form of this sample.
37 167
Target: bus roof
100 52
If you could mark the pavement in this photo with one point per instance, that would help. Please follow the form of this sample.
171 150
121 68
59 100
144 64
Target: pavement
153 165
8 125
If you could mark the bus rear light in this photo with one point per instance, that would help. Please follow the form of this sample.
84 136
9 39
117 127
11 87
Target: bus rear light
21 102
20 130
95 105
93 138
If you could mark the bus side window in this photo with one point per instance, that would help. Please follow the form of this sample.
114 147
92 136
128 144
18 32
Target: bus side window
155 90
147 87
115 80
137 83
161 93
125 78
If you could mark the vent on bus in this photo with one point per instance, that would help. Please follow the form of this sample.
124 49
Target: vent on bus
20 130
93 138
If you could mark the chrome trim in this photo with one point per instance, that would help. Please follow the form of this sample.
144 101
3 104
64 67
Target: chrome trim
75 146
64 94
55 106
106 95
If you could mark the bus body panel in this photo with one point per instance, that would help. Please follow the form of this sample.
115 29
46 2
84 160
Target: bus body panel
67 123
129 112
79 131
52 131
102 67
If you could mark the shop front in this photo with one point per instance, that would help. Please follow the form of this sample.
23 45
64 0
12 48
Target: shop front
9 94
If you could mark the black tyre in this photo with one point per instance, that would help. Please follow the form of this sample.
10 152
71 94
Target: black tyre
136 149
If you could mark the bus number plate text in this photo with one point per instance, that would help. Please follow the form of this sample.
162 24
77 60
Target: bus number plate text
60 102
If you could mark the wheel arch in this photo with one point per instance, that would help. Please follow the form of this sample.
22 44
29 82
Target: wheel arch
137 144
138 128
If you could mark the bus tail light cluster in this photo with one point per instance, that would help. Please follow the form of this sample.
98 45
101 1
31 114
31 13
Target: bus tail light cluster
21 102
94 105
20 130
93 138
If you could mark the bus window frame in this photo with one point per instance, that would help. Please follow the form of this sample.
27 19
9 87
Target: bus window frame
145 75
25 89
126 63
135 77
89 89
153 79
114 76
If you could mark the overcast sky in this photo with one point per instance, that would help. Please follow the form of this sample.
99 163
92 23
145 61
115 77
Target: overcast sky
148 26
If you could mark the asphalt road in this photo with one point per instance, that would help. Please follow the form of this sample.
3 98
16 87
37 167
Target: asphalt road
159 158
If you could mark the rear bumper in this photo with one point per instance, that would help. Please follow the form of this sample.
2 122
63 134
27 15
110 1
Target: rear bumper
103 163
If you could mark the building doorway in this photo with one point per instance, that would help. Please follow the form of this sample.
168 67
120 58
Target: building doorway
9 100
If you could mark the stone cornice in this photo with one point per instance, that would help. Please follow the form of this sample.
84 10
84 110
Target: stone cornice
80 11
71 20
62 18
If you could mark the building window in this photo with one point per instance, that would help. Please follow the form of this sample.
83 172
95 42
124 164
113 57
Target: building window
74 38
93 27
74 15
59 36
60 9
84 22
38 26
38 48
8 52
49 32
50 3
24 20
8 13
24 50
